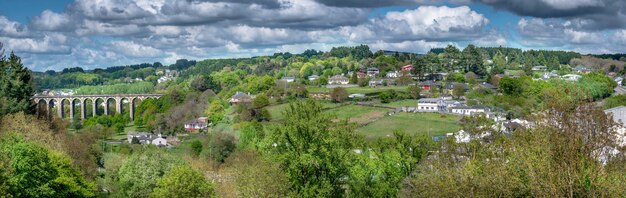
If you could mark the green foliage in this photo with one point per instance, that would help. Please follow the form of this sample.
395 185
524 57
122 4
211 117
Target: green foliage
16 87
312 150
414 91
511 86
215 111
196 148
138 176
387 96
221 145
251 134
33 171
615 101
338 94
183 181
124 88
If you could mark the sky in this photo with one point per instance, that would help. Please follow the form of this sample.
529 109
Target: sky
56 34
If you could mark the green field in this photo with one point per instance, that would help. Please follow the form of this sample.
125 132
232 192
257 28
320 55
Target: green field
401 103
276 111
428 123
355 111
362 90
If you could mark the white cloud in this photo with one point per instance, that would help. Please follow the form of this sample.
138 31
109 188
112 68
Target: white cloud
133 49
51 21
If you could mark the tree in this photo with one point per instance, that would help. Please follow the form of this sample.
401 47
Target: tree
354 78
215 111
388 95
458 90
183 181
338 94
34 171
473 61
135 140
414 91
470 77
221 145
511 86
313 149
16 86
196 148
139 174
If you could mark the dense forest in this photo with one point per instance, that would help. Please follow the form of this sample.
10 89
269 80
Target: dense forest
285 142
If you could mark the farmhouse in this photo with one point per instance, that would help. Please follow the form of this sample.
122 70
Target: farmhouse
197 124
372 71
147 138
582 69
240 97
468 111
407 68
427 85
375 82
430 104
288 79
571 77
338 80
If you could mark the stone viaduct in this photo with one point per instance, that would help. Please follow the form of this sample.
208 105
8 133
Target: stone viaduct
59 102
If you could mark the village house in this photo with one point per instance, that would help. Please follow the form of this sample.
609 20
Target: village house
430 104
288 79
468 110
146 138
571 77
372 71
240 97
450 87
539 68
393 74
488 86
582 69
407 68
361 75
427 85
375 82
200 123
313 77
163 79
338 80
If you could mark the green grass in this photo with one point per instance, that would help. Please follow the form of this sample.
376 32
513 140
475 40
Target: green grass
276 111
401 103
362 90
354 111
412 123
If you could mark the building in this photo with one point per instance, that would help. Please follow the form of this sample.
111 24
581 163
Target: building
240 97
313 77
372 71
582 69
200 123
450 86
393 74
468 111
338 80
488 86
163 79
407 68
618 80
427 85
375 82
571 77
361 75
430 104
146 138
539 68
288 79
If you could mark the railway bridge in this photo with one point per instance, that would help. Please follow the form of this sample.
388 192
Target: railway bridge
46 103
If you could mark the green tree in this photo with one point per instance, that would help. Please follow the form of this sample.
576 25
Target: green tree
313 150
183 181
354 78
215 111
221 145
196 148
31 170
511 86
387 96
458 90
338 94
414 91
139 174
16 86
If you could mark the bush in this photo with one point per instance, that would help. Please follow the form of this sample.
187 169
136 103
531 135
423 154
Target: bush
221 146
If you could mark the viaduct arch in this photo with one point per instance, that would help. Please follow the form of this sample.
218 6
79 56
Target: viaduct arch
59 102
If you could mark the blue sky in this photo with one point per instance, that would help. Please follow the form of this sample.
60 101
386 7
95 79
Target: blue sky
57 34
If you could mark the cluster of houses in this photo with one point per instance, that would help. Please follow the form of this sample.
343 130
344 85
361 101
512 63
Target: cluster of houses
48 92
372 73
166 75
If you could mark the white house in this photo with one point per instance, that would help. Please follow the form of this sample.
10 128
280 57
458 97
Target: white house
571 77
539 68
375 82
288 79
163 79
430 104
372 71
338 80
313 77
468 111
393 74
159 141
